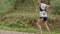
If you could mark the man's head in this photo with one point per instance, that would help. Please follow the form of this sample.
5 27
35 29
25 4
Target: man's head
42 1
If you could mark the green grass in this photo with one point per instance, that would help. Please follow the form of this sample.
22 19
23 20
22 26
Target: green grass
26 12
10 23
30 30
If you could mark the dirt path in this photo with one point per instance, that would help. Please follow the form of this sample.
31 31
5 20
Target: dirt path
13 32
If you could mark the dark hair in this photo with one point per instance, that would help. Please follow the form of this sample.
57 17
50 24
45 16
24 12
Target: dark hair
42 1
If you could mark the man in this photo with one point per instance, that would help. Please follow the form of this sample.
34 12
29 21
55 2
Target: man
43 16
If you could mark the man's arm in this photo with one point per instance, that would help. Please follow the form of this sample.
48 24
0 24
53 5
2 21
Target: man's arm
47 6
39 1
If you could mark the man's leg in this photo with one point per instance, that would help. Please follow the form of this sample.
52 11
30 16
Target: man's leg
39 25
47 27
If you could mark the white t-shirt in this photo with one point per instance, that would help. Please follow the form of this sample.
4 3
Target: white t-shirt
43 13
43 6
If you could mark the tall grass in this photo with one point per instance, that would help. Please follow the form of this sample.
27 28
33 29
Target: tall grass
6 5
24 17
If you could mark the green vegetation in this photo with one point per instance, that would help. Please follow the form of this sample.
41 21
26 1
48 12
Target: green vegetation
17 15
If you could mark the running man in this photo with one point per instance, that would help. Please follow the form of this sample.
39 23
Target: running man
43 16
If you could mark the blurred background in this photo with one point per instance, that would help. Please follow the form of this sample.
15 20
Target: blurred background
22 15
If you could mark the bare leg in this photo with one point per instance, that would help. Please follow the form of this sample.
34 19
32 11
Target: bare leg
39 26
47 27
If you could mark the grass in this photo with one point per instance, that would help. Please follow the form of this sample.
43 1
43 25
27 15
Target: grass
29 30
13 19
26 12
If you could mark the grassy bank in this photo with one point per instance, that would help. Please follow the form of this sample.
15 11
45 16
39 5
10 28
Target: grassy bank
26 22
23 18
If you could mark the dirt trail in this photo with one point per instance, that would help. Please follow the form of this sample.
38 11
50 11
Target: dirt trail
13 32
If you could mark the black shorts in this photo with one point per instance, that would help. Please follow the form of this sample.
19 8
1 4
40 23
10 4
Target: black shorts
44 18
